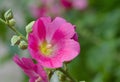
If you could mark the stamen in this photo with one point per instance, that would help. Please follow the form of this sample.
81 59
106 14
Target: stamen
38 80
49 46
46 48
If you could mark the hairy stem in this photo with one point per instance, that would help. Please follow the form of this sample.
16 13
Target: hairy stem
14 29
17 32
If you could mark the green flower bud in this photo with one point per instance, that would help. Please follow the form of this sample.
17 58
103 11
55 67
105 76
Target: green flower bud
15 40
29 27
23 45
8 14
12 22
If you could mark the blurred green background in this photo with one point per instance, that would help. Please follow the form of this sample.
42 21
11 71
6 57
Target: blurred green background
98 28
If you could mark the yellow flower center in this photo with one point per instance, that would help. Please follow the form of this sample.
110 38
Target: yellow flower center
46 48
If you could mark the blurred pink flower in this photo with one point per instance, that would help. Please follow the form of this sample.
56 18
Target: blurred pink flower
80 4
34 71
67 3
46 8
77 4
39 11
53 42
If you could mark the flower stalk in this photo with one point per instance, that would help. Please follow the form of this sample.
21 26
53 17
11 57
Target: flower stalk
3 21
14 29
66 74
17 32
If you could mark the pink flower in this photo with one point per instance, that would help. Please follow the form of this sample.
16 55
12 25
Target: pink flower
34 71
80 4
46 8
39 11
53 42
77 4
67 3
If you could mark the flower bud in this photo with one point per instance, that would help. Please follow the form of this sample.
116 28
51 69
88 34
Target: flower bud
23 45
8 14
29 27
12 22
15 40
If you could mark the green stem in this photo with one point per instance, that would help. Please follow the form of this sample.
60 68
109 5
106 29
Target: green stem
67 75
14 29
65 66
17 32
3 21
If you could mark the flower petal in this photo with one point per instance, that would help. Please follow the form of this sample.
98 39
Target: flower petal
69 49
42 73
52 63
27 65
31 73
31 80
49 62
39 29
66 31
46 20
28 62
52 27
33 43
17 60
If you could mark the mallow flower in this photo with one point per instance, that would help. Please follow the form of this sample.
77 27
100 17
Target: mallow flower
46 8
53 42
76 4
35 72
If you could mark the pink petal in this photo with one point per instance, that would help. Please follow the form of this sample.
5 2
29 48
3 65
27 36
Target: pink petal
31 80
66 31
69 49
28 62
46 20
17 60
56 62
33 42
52 63
39 29
42 72
52 27
31 73
49 62
27 65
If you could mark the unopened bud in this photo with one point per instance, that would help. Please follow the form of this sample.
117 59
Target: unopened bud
15 40
29 27
12 22
8 14
23 45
